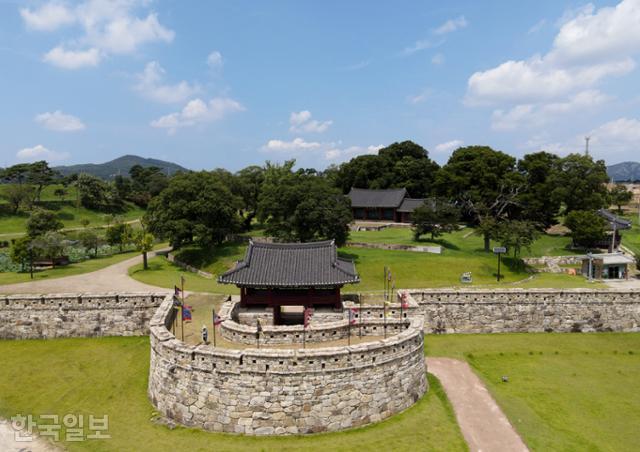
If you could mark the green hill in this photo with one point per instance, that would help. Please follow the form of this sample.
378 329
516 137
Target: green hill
121 165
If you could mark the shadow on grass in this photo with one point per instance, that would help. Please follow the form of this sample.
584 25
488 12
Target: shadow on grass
442 242
205 257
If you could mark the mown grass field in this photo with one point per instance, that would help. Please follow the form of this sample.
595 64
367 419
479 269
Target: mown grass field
565 392
109 376
66 210
463 252
464 240
631 238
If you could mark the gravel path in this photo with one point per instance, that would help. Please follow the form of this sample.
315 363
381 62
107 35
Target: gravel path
482 422
8 442
114 278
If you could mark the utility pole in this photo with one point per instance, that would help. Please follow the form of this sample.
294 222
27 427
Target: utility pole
586 145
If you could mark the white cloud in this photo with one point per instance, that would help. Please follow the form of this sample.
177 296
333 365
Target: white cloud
329 151
39 152
537 27
420 97
48 17
448 146
72 59
451 26
437 59
110 27
150 85
301 122
357 66
297 144
214 60
60 121
588 48
198 111
350 152
537 115
417 46
620 135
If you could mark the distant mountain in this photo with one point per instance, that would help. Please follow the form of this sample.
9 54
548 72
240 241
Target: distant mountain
121 165
625 171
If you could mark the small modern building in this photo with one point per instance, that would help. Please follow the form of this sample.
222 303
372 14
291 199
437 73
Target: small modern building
607 266
387 205
273 275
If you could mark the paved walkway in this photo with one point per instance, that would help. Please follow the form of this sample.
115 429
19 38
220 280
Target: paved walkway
8 442
482 422
114 278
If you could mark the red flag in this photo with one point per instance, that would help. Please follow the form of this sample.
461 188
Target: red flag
186 313
217 320
308 312
352 315
403 300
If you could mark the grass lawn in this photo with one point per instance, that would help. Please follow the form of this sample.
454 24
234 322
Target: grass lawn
463 240
631 238
109 376
66 211
78 268
565 391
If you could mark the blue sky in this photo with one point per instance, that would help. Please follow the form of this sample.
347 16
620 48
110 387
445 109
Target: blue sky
228 84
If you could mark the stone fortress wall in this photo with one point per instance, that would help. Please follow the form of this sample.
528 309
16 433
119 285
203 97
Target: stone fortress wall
530 310
284 391
76 315
240 327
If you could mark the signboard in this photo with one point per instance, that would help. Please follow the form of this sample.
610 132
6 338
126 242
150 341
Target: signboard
499 250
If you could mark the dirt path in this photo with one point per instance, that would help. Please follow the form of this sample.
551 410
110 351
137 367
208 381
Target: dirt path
8 441
114 278
483 424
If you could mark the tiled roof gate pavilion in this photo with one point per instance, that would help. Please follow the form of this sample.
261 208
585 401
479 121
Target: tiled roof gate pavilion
291 274
389 205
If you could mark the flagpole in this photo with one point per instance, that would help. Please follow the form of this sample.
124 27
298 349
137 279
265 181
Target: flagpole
214 327
349 329
182 308
360 314
384 311
304 330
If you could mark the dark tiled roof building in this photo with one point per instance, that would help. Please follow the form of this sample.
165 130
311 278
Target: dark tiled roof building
388 205
291 274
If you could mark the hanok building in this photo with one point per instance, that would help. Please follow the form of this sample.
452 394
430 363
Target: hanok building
387 205
276 275
615 224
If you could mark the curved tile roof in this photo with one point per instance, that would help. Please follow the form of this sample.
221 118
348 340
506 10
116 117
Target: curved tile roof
361 197
314 264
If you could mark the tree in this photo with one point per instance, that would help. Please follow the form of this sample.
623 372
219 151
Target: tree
120 235
399 165
50 245
60 193
42 221
580 183
434 217
18 195
535 201
91 241
40 175
484 183
587 227
302 206
517 234
249 186
620 196
144 243
92 191
22 252
195 207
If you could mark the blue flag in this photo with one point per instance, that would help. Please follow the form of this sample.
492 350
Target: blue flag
186 313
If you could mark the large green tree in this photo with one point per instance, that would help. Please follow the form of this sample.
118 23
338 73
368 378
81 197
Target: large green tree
517 234
587 227
302 206
620 196
248 187
484 182
195 207
434 217
535 201
579 183
399 165
42 221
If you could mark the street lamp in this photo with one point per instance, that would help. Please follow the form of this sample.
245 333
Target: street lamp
499 250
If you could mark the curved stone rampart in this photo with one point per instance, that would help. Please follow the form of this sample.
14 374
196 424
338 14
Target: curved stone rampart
273 391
